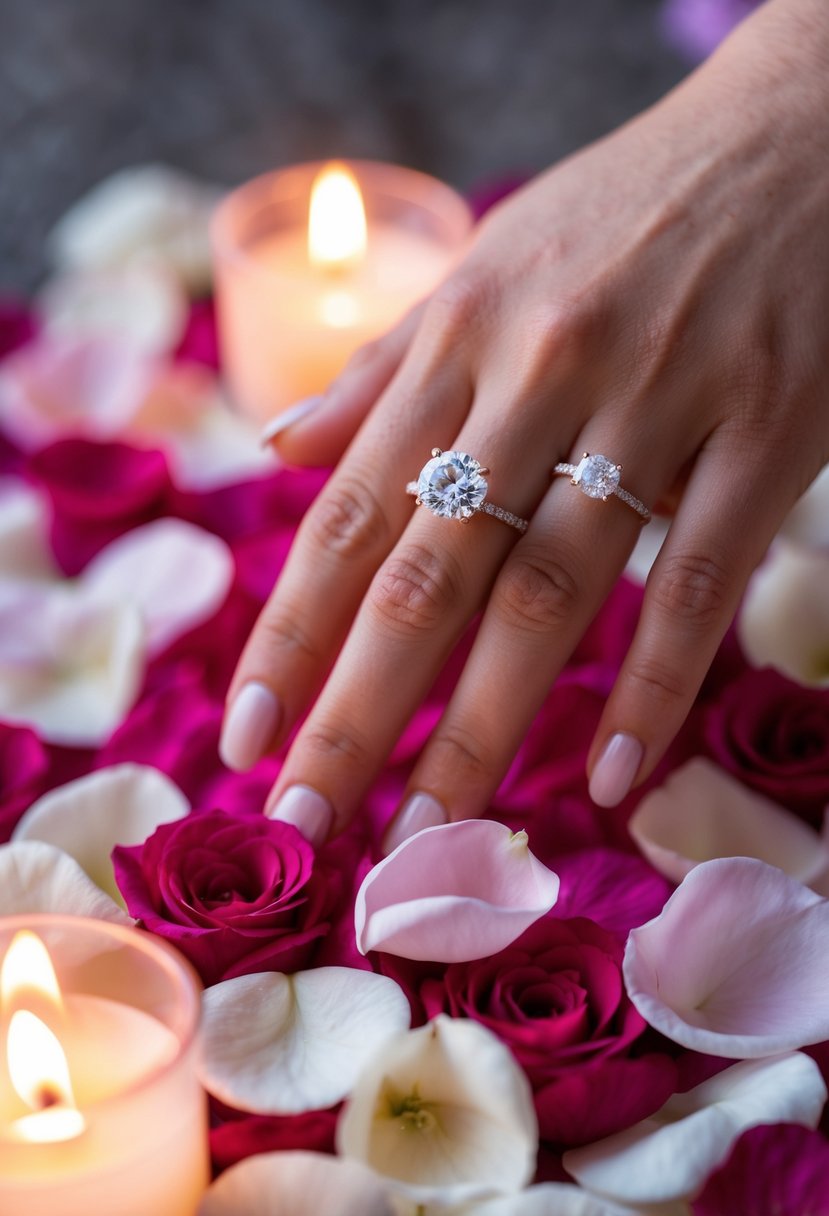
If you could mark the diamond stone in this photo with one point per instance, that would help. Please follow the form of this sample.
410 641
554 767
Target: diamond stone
596 476
452 485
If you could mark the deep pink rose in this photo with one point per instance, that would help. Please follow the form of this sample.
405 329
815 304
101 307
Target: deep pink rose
556 998
773 735
18 325
235 893
773 1170
241 1135
24 774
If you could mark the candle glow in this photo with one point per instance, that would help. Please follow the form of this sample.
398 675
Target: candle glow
337 234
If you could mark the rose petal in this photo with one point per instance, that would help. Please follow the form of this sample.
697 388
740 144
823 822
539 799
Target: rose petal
143 214
177 574
808 521
670 1155
37 877
70 664
59 386
735 965
784 617
772 1170
616 890
445 1112
549 1199
701 812
143 305
24 531
88 817
452 893
297 1184
284 1044
646 550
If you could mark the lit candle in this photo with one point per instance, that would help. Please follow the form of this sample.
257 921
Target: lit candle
312 261
100 1110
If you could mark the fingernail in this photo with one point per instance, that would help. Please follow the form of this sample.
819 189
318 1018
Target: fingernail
309 812
616 768
249 726
419 811
287 418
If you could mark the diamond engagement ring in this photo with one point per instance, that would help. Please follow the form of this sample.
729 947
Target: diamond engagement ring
598 477
453 485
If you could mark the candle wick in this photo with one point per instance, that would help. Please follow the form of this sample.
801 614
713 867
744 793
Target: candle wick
47 1097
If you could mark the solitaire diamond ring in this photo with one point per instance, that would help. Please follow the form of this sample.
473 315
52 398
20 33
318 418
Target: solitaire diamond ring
598 477
453 485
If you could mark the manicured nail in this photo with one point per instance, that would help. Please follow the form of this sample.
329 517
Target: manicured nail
419 811
307 810
249 726
287 418
615 770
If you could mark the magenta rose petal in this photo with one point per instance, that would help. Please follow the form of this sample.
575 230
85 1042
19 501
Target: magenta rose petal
616 890
702 812
772 1169
455 892
735 965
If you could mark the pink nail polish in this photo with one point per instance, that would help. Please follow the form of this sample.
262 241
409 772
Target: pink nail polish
309 812
287 418
616 769
419 811
249 726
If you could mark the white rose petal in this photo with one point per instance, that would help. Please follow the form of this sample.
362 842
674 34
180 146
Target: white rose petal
25 555
646 550
808 521
784 618
88 817
445 1113
670 1155
701 812
38 877
284 1044
144 305
296 1184
548 1199
178 575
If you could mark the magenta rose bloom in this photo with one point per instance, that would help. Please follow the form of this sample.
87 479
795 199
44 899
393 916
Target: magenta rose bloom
235 893
773 735
556 998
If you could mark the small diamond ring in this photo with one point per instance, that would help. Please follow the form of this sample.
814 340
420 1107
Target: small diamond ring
453 485
598 477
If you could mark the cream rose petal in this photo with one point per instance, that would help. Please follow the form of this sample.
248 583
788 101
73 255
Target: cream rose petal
702 812
670 1155
646 551
144 305
784 618
144 214
25 555
296 1184
178 575
88 817
807 523
71 663
445 1113
451 893
284 1044
38 877
735 964
553 1199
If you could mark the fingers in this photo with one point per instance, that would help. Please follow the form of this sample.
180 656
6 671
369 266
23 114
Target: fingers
726 521
344 537
549 588
420 600
316 432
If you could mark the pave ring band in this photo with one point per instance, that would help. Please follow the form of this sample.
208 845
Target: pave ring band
598 477
453 486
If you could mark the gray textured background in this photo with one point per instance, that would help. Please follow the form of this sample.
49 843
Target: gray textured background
465 89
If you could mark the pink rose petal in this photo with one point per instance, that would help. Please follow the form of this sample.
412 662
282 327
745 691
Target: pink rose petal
452 893
735 965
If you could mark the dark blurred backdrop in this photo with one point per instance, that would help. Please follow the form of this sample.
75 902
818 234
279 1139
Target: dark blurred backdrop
466 89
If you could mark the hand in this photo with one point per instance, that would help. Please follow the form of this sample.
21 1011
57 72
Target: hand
661 298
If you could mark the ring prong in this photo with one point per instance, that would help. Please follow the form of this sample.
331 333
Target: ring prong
584 455
484 470
464 519
573 481
437 451
418 502
619 467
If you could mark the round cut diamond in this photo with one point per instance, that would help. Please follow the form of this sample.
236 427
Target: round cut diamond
596 476
452 485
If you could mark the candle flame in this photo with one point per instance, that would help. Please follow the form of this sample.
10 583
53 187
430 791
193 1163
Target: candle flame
37 1064
336 220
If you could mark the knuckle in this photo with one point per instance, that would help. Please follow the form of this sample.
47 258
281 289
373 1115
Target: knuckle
458 302
282 635
655 681
460 752
537 593
692 588
329 741
412 592
364 356
348 520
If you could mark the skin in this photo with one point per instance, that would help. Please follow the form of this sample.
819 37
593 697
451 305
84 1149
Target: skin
661 297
